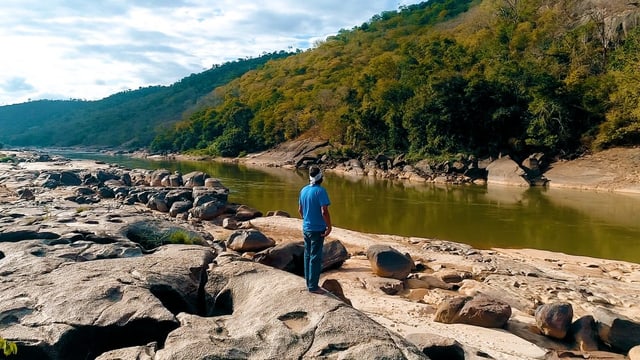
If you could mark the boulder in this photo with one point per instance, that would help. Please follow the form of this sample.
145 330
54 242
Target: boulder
585 334
158 202
424 167
278 213
155 178
90 180
249 240
388 262
230 223
104 175
617 331
180 207
48 180
286 256
334 254
208 211
479 311
194 179
174 180
141 196
179 195
126 179
290 256
554 319
204 194
106 192
245 213
70 178
505 171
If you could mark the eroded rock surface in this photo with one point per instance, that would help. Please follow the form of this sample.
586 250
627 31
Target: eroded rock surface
263 313
92 270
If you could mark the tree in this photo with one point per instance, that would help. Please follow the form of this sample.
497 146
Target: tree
622 125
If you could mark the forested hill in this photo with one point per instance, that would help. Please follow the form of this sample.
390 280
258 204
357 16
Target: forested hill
442 77
126 119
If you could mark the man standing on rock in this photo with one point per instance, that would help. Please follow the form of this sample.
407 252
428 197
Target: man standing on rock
313 206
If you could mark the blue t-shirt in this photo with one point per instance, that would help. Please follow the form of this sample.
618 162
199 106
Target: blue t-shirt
312 198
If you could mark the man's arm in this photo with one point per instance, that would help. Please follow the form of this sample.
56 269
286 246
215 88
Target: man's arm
327 219
300 211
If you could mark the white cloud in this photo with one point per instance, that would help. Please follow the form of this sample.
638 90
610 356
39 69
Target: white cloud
88 50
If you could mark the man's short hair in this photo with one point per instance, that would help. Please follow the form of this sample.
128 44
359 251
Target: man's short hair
314 170
315 175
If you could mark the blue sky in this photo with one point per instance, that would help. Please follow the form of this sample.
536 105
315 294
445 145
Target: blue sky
62 49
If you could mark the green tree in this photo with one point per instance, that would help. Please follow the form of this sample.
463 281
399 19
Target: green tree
622 125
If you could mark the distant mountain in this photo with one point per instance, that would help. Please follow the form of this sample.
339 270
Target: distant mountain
126 119
441 78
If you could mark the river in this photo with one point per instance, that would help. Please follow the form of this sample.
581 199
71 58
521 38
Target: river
597 224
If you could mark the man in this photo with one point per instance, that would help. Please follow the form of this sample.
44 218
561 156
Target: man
313 206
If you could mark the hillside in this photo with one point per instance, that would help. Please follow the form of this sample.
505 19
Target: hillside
441 78
126 119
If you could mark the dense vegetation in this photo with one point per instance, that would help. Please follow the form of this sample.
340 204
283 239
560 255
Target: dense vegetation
433 79
126 119
441 77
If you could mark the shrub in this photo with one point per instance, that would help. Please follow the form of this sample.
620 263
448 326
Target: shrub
181 236
151 237
6 159
8 347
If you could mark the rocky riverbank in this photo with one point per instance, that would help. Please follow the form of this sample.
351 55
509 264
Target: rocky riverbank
103 262
615 169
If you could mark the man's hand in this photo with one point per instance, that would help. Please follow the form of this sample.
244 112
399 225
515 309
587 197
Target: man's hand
326 231
327 220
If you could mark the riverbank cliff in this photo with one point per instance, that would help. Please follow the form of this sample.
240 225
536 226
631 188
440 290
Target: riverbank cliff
98 261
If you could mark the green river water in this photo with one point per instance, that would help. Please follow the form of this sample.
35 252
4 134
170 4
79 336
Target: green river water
597 224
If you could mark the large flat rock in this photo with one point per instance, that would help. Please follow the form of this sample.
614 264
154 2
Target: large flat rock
610 170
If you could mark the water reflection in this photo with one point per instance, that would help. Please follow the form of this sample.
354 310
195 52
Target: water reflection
575 222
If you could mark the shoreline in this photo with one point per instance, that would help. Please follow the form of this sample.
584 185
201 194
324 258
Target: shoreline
613 170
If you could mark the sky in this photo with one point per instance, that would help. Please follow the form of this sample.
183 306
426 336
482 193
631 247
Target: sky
88 50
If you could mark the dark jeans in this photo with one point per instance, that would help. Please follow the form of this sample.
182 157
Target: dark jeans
313 243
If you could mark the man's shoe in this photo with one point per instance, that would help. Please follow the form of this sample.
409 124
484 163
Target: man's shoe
318 291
